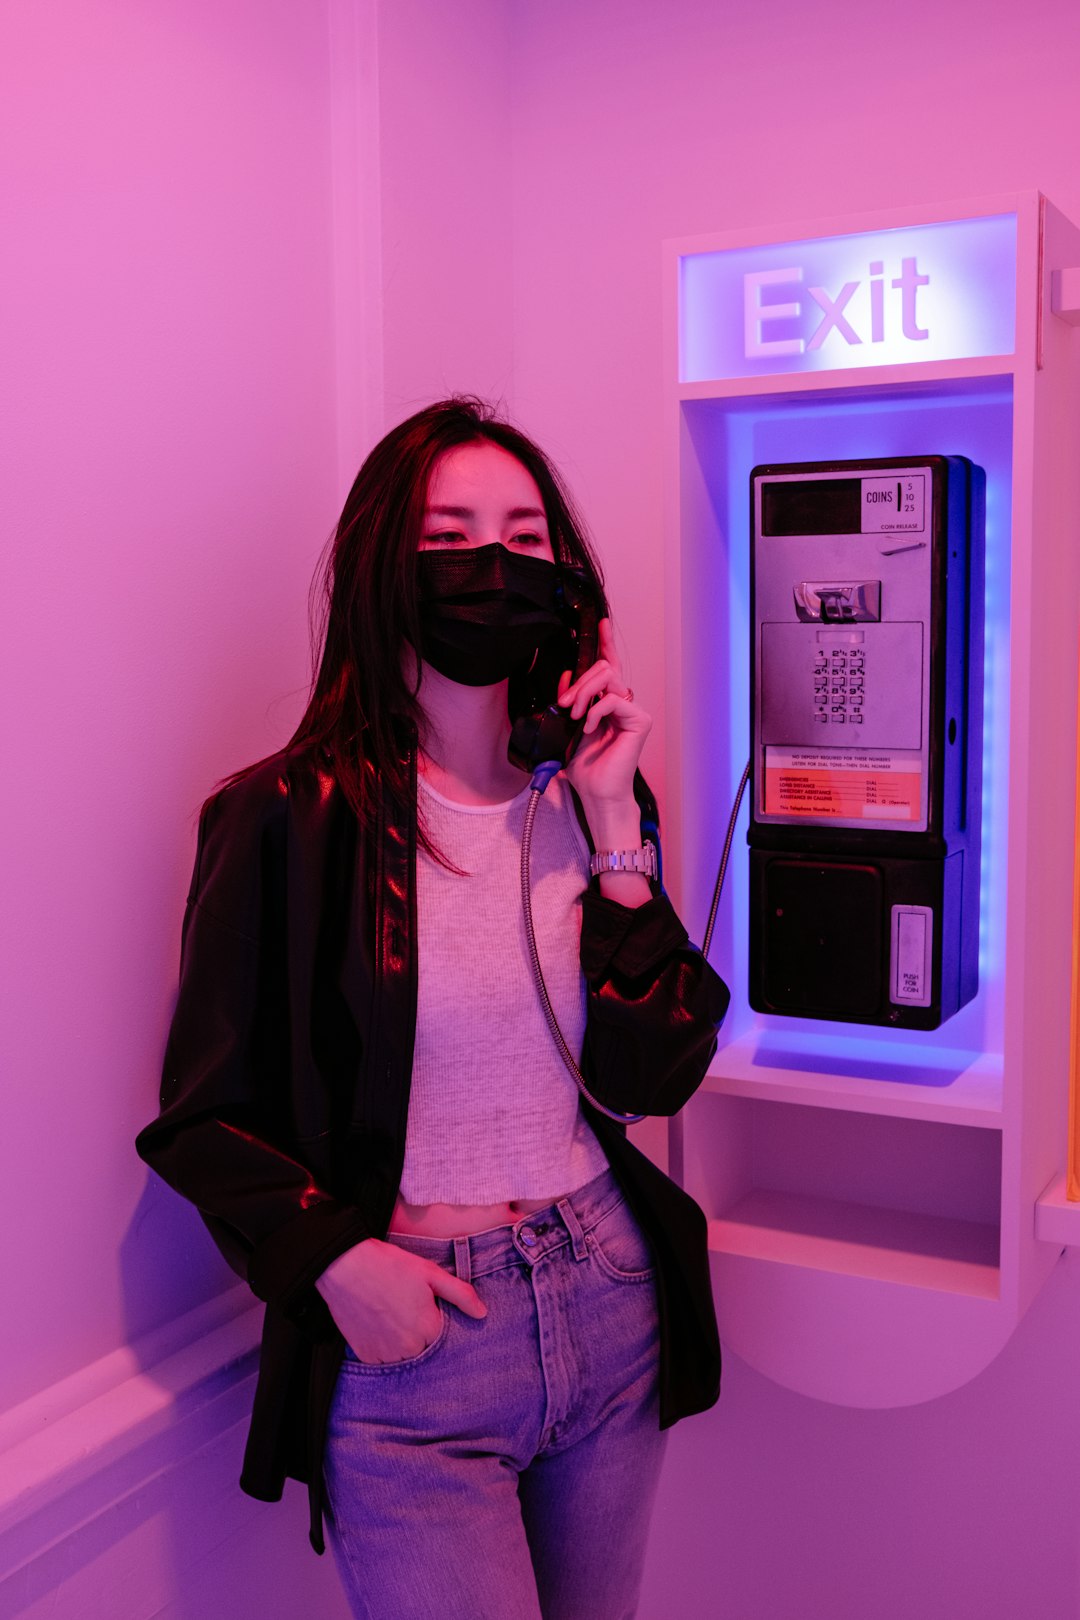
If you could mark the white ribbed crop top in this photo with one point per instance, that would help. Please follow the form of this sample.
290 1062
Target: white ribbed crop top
493 1114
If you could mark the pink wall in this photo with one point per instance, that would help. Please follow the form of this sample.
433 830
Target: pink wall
633 123
182 189
446 89
180 283
169 367
776 1507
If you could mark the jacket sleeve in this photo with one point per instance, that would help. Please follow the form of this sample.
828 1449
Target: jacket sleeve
218 1138
654 1006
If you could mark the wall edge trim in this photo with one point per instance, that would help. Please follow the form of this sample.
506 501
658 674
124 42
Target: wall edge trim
135 1412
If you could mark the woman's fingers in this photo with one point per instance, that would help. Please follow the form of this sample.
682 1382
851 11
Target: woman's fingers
607 643
604 674
456 1292
597 685
632 717
383 1299
598 678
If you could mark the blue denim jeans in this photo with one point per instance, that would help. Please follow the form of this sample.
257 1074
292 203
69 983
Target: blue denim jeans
508 1471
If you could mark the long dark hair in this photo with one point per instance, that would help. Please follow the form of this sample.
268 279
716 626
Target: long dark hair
366 592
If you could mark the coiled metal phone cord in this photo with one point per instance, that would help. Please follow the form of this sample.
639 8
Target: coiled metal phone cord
725 854
541 777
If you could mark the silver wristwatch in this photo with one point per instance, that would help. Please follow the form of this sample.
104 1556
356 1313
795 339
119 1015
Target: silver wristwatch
641 860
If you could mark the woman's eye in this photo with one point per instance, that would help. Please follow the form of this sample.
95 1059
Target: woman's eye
455 537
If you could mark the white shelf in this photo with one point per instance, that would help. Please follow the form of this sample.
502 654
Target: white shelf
908 377
860 1240
1057 1217
954 1088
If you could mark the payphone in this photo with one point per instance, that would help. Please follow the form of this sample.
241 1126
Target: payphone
866 745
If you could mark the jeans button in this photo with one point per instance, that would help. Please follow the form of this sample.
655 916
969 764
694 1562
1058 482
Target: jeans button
528 1237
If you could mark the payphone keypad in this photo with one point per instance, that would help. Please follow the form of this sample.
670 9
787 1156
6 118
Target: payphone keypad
839 686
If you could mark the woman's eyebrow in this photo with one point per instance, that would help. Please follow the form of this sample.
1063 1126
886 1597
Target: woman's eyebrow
515 512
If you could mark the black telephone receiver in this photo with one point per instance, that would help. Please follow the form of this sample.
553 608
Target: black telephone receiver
543 735
542 732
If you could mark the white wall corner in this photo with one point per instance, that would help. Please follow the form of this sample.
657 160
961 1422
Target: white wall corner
356 211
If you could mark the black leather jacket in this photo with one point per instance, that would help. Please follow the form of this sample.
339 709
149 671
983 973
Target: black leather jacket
287 1072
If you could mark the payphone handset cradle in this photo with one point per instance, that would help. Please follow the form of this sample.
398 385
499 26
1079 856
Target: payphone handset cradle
866 721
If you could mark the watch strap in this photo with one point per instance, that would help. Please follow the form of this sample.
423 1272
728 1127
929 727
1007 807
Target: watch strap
641 860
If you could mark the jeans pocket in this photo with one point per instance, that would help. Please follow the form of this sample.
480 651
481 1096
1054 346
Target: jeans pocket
353 1364
620 1248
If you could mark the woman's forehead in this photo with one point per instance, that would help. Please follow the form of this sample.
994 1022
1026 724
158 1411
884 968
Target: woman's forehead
470 475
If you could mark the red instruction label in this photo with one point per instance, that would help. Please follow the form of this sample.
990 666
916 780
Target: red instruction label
863 787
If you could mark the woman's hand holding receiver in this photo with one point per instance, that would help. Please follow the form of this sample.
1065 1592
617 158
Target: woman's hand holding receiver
601 768
383 1300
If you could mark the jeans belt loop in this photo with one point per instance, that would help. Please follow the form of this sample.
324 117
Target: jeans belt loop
573 1226
462 1259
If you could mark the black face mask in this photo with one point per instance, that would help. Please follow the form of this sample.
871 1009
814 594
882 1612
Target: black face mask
485 612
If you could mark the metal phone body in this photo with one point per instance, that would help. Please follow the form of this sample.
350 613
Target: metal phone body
866 738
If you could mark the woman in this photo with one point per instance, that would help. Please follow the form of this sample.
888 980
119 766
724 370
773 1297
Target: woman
483 1304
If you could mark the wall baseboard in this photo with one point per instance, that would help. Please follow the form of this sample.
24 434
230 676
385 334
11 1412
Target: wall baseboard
90 1463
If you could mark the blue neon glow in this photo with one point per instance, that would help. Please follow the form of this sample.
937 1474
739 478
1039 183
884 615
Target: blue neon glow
926 292
972 418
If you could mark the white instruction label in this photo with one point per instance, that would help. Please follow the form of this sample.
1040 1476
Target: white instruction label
895 505
911 956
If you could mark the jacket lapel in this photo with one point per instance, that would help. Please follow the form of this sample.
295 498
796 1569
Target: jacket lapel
384 890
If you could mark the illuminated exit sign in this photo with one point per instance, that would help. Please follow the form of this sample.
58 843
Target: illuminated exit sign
881 298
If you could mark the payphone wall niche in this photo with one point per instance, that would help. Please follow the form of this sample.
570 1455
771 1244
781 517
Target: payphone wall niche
866 716
879 1190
